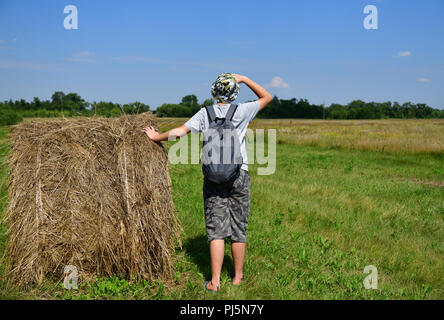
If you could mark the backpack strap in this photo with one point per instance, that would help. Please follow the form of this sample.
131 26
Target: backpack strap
231 111
211 113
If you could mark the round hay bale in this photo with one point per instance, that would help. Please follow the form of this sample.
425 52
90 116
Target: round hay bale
93 193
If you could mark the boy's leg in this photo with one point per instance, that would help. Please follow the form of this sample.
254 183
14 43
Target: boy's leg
239 207
217 250
217 221
238 253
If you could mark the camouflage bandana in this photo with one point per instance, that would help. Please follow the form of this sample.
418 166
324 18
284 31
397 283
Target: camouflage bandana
225 89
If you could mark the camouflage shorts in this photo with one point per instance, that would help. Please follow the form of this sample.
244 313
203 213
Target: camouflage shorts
227 209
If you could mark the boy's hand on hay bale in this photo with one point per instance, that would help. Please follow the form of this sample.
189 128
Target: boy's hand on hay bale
152 133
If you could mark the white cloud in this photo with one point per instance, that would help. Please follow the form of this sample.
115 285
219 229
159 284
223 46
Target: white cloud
404 54
5 44
81 60
175 63
28 65
135 59
279 83
219 66
83 56
423 80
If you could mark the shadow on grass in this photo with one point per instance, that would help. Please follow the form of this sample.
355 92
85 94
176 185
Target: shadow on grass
197 249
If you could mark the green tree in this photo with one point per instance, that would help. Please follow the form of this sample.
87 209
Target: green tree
208 102
135 108
57 99
8 116
191 102
173 110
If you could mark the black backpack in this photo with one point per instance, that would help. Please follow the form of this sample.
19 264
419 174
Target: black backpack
221 155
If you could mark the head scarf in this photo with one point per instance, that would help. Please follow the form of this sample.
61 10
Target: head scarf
225 89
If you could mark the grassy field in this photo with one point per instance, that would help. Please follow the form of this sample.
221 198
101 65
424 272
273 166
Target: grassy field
345 194
400 136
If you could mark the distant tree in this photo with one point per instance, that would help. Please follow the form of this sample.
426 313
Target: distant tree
135 108
336 111
36 103
191 102
208 102
293 108
8 116
72 104
272 110
57 99
173 110
106 109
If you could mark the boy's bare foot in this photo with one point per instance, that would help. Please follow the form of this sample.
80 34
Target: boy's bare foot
237 281
212 287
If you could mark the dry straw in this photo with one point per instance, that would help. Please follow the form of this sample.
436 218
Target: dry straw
89 192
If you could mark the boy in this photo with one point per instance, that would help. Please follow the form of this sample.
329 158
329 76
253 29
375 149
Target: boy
226 207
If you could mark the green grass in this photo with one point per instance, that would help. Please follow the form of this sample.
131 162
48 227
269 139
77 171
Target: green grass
321 218
314 225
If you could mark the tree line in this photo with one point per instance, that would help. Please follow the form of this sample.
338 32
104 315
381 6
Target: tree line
64 105
302 109
357 109
72 104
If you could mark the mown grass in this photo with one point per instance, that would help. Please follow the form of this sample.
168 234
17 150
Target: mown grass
399 136
325 214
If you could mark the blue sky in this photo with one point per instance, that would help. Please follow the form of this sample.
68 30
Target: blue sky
159 51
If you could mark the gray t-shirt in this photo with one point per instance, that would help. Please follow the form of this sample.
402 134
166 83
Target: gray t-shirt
244 114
